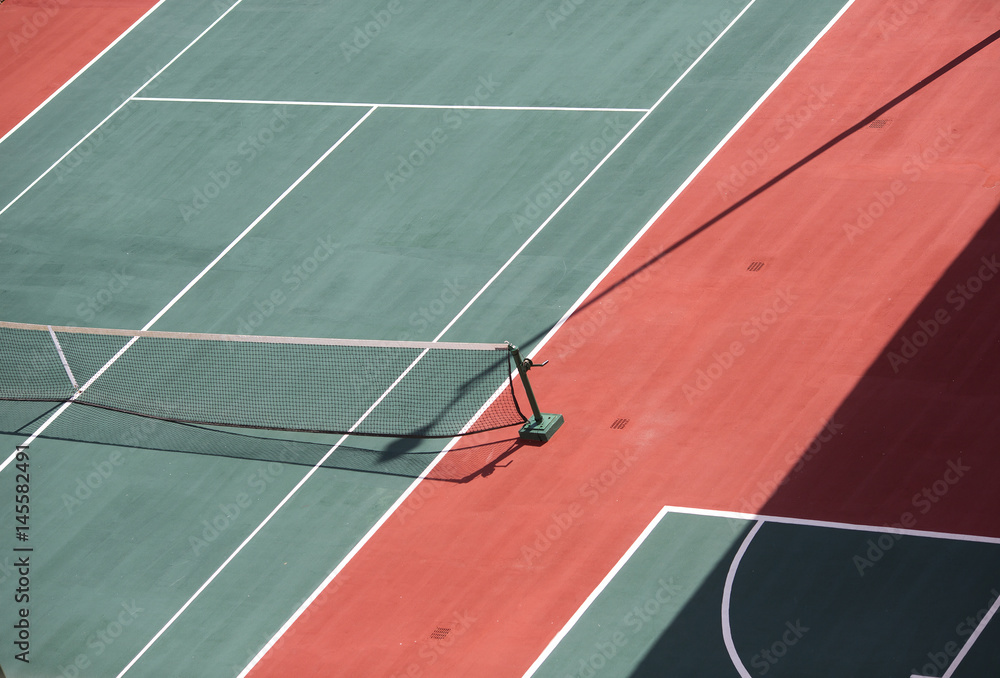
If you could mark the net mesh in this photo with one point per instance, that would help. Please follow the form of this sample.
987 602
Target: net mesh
392 389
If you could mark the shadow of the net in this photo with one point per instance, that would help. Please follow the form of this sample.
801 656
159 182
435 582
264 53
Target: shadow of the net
400 457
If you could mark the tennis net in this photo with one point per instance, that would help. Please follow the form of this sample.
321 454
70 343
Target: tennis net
376 388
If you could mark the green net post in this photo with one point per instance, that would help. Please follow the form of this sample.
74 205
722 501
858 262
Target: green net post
542 426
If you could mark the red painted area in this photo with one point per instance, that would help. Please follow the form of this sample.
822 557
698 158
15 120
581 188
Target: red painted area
746 387
44 44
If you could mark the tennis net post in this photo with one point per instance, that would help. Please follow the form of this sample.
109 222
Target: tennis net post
542 426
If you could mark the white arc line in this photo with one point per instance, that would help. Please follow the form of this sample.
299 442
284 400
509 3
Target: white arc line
579 301
801 522
727 595
358 104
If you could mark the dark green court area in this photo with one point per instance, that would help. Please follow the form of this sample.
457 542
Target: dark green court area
805 600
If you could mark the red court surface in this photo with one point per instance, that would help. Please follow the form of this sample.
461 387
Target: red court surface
46 43
735 377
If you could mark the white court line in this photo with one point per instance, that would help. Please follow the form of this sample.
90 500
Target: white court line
402 498
62 358
120 106
727 596
441 455
80 72
261 217
761 519
364 540
807 522
576 190
595 593
355 104
274 511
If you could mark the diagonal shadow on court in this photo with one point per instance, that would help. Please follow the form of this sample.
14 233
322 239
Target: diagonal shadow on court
781 176
917 448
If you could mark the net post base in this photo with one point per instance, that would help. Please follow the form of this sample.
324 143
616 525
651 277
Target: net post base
541 432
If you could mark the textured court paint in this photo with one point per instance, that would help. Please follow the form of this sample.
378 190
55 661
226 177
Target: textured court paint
138 236
45 45
234 583
415 246
64 120
602 55
748 430
214 635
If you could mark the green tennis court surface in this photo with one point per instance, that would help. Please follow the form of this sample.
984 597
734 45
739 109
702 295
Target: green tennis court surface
376 213
802 599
